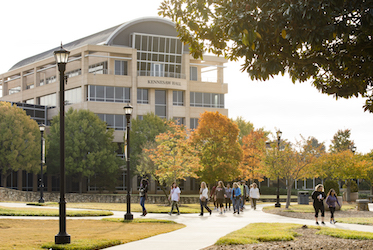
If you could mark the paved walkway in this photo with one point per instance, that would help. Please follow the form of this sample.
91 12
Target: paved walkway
201 232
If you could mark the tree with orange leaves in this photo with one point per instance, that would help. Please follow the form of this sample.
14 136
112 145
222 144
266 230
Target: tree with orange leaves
174 157
253 147
220 152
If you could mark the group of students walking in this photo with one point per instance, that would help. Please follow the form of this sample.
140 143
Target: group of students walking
331 200
223 197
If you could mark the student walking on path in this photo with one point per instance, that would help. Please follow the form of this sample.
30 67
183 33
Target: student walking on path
318 197
254 194
143 194
228 197
236 198
203 197
220 196
331 199
174 198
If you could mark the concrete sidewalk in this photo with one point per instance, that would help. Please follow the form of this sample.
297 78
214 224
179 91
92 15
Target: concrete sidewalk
201 232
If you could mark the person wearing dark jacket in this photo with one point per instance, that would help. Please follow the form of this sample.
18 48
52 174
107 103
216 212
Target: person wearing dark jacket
143 194
331 199
318 197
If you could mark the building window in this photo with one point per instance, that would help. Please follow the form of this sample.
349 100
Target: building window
193 74
179 120
178 98
14 90
30 101
209 100
160 103
51 79
73 73
117 122
98 68
30 86
108 94
121 68
157 55
48 100
142 96
157 69
73 96
193 123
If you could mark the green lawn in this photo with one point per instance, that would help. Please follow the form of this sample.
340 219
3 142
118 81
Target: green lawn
263 232
6 211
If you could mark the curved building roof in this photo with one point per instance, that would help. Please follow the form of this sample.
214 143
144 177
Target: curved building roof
116 36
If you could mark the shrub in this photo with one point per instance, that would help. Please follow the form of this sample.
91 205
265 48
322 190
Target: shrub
329 184
353 186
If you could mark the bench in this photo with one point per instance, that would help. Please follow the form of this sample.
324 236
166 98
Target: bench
362 205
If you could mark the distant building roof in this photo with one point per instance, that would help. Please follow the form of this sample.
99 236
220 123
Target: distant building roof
103 37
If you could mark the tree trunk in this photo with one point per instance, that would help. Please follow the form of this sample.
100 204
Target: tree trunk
348 191
288 197
3 181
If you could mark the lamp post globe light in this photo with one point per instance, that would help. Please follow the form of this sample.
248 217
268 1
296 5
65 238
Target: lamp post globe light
62 56
128 111
279 133
42 161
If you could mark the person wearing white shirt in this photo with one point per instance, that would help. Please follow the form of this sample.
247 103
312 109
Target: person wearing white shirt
175 198
203 197
254 194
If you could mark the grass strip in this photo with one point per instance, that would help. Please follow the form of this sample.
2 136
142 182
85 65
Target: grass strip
345 234
135 207
83 245
356 220
305 208
50 212
260 232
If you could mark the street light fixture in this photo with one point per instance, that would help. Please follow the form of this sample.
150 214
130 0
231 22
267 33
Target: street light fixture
128 111
62 56
42 161
279 133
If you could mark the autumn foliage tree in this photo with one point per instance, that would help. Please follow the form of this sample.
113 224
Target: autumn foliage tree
220 152
344 165
291 162
253 147
174 158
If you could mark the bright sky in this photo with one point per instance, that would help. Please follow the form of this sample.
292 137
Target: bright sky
31 27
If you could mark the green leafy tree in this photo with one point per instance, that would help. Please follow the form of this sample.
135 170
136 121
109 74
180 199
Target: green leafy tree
89 148
220 152
329 42
292 162
244 127
19 141
143 131
341 141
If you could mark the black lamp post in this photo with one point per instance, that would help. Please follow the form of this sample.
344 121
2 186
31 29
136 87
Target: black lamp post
279 133
128 111
42 161
62 56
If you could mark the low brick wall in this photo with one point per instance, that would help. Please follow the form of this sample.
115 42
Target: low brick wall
7 194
